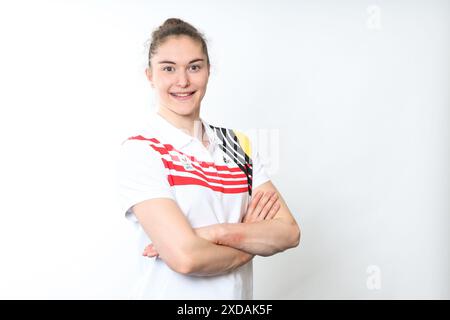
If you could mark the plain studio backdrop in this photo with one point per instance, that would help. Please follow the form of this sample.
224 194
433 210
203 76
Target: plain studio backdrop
349 101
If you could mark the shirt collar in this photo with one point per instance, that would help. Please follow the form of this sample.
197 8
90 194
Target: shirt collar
168 133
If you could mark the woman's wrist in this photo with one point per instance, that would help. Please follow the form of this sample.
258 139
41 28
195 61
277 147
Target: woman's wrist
219 231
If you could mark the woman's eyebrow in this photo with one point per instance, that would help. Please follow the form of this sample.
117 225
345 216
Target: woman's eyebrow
171 62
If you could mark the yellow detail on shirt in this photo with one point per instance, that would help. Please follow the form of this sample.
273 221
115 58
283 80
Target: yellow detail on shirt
244 141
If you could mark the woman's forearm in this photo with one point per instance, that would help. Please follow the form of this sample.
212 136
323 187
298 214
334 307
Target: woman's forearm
263 238
209 259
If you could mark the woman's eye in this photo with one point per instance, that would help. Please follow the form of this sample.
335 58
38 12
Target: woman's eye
193 68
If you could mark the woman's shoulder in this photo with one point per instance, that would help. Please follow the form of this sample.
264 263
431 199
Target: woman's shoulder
139 140
141 134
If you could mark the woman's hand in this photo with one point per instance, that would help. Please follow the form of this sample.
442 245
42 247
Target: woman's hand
264 206
150 251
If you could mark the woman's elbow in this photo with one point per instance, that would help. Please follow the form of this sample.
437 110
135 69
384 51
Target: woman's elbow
180 263
184 269
295 236
188 267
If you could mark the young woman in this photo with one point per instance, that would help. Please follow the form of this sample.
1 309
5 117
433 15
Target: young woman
201 202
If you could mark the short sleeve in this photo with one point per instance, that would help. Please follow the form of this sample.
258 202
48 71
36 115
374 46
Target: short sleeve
259 172
141 176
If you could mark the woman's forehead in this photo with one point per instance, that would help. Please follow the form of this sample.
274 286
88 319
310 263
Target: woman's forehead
182 49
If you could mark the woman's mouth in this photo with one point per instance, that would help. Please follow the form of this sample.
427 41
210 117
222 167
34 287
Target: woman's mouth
182 96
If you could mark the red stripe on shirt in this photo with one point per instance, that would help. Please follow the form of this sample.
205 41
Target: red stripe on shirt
172 166
177 181
218 173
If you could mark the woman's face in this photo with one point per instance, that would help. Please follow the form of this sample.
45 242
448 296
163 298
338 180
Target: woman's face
179 73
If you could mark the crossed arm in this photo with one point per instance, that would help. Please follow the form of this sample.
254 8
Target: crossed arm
267 228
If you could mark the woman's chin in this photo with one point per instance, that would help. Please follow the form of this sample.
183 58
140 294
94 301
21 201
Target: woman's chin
186 111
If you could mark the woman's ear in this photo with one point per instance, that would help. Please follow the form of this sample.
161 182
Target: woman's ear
148 74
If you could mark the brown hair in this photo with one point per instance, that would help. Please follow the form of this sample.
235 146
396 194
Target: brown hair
175 27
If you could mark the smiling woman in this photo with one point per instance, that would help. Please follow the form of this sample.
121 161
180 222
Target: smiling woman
179 70
200 199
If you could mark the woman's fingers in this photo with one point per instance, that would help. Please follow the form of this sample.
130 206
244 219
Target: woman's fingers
150 251
262 203
262 207
273 211
267 207
251 208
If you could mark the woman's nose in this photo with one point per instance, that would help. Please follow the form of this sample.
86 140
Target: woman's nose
183 79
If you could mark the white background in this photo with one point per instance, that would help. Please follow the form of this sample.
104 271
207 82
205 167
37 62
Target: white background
357 91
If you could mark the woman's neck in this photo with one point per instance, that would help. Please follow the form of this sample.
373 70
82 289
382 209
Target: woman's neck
189 124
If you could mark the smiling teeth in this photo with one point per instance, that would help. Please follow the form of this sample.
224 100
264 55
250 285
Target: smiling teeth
182 94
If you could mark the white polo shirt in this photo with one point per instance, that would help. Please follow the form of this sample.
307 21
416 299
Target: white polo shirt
211 185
